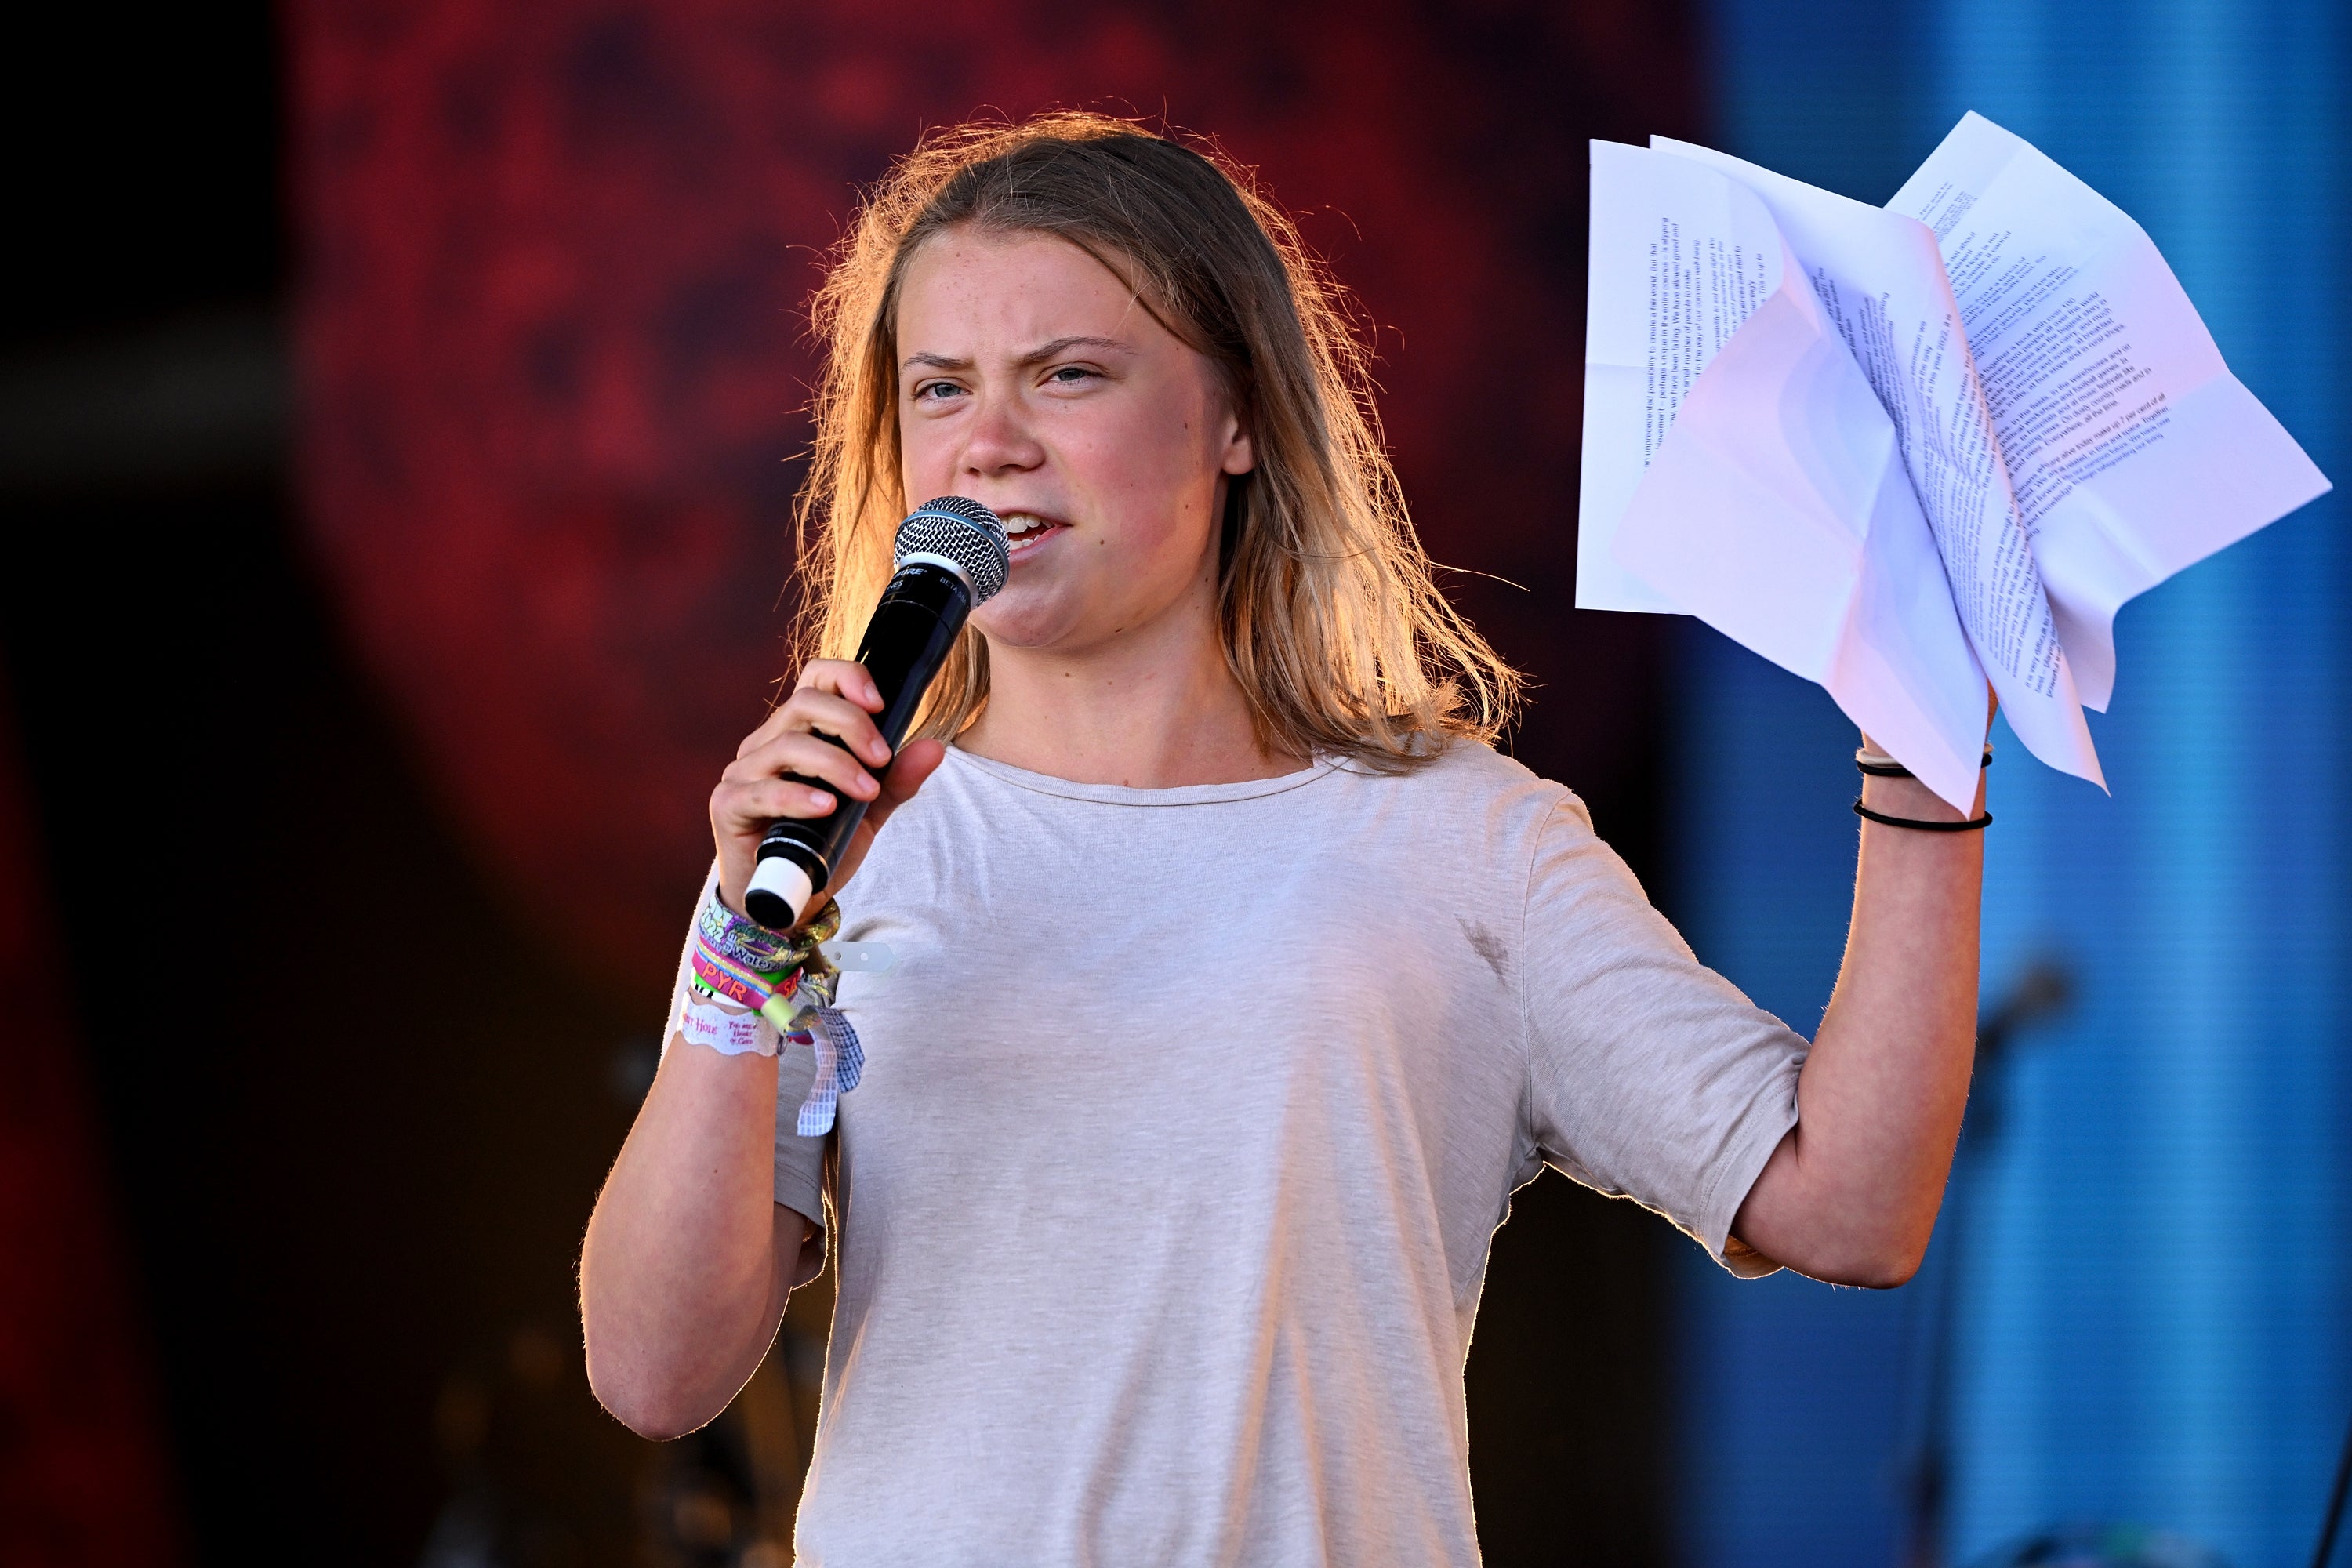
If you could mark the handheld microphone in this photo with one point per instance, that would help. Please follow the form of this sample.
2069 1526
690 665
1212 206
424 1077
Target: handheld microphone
952 556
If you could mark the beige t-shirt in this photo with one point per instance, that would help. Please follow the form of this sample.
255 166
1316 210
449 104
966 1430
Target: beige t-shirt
1188 1114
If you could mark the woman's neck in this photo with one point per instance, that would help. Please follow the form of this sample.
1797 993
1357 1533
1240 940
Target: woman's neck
1154 708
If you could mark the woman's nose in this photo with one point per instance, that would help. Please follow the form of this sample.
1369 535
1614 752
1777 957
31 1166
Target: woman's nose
999 439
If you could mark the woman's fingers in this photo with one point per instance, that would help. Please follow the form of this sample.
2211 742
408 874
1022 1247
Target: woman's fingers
832 715
741 809
808 713
808 755
835 680
843 676
831 697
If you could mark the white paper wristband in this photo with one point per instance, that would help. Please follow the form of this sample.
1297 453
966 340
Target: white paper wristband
728 1031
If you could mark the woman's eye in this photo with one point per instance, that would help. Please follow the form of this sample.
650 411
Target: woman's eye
936 391
1070 375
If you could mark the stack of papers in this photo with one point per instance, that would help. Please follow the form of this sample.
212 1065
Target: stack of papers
1912 451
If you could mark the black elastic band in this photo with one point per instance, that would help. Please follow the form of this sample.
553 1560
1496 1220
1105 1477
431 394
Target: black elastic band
1974 823
1891 770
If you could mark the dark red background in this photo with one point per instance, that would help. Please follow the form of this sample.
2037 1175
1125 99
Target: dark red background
404 717
555 257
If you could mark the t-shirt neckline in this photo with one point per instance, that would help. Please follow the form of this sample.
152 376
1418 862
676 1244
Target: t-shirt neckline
1125 795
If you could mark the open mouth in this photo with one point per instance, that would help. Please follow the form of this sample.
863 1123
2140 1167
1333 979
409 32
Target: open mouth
1024 531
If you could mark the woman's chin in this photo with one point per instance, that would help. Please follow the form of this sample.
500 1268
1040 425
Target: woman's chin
1024 616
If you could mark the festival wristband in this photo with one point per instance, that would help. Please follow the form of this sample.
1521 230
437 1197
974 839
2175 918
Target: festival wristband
785 988
724 1030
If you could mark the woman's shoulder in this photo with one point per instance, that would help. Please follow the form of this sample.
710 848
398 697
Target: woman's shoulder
1463 767
1472 783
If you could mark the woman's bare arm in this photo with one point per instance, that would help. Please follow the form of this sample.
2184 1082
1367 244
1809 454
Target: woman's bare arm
1850 1195
689 1257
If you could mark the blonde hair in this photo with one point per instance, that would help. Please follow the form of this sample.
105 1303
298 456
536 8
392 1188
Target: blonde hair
1331 621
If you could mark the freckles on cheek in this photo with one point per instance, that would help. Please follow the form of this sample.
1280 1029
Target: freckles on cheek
918 458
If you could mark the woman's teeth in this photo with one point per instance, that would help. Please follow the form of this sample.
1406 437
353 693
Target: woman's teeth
1021 528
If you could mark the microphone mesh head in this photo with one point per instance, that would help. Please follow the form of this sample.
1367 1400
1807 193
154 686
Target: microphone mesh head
965 532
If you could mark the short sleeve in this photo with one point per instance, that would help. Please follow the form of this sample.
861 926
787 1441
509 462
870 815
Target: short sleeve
1649 1075
800 1162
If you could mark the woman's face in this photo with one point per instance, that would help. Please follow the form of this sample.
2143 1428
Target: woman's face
1032 380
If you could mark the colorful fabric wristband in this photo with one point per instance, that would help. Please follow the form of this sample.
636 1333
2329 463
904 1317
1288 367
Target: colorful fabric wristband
785 987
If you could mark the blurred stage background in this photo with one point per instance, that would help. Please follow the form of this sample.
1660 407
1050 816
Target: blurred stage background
400 420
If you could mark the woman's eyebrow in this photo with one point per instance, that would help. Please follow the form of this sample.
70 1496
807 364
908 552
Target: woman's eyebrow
1037 356
1045 352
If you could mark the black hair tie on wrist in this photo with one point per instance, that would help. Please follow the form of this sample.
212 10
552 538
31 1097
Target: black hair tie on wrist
1894 770
1973 825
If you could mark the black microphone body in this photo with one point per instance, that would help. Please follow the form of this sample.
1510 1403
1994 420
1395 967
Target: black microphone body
946 551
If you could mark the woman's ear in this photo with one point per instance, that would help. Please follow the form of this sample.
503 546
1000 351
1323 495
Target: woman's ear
1240 455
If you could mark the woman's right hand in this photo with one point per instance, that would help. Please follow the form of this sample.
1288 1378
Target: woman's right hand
832 697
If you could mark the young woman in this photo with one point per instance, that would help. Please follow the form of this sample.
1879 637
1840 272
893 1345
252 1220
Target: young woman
1238 981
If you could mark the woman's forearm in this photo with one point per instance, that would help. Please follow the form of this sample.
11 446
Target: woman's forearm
1852 1193
688 1259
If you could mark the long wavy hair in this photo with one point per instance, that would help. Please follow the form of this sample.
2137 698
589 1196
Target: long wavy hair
1331 620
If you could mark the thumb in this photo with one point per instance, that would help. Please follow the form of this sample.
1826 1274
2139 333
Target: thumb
916 761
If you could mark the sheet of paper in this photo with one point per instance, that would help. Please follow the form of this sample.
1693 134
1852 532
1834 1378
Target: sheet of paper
1676 264
2134 451
1879 280
1774 503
